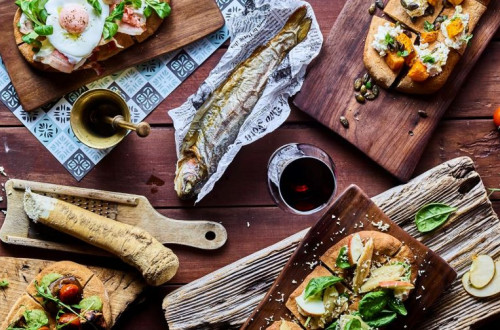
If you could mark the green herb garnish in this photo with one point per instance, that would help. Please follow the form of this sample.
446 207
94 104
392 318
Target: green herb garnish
317 285
342 259
4 283
428 59
433 215
162 9
36 13
428 27
96 5
403 53
110 26
333 326
467 38
389 39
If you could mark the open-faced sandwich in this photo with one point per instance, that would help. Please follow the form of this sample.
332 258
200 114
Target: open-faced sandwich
369 276
69 35
63 295
417 53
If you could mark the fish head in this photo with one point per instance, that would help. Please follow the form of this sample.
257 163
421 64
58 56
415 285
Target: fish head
189 176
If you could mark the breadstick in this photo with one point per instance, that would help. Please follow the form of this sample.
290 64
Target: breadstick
133 245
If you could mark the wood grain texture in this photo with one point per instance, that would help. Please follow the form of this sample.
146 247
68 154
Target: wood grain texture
353 208
123 287
190 20
382 130
475 231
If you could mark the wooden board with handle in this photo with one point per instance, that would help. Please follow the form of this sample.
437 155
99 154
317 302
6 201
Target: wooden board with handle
131 209
123 287
389 129
189 21
356 213
225 298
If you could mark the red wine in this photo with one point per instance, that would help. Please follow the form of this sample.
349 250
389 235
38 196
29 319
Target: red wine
306 184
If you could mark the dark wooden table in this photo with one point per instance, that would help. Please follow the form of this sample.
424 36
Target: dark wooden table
241 196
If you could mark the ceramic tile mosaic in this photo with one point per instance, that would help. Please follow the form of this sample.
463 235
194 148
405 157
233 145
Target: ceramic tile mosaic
144 87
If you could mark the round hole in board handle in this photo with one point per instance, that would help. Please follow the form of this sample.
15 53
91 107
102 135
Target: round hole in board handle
210 235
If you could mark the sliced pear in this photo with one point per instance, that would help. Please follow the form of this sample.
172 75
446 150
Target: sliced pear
355 249
312 306
489 290
482 271
403 285
363 268
382 274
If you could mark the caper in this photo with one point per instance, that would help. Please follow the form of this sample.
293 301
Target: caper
429 11
391 47
413 19
370 96
363 90
344 121
357 84
372 9
360 98
366 76
379 3
412 6
375 90
408 33
400 46
403 3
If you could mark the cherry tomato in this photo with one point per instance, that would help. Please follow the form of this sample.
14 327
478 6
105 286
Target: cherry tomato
69 293
496 117
71 320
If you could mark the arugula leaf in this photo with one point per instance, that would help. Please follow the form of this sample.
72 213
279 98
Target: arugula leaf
433 215
96 5
402 53
162 9
428 59
383 318
342 259
4 283
372 303
353 324
318 284
428 27
397 306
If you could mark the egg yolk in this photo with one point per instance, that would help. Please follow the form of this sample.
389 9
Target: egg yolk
74 18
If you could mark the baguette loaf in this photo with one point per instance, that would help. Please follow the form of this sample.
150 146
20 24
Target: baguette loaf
133 245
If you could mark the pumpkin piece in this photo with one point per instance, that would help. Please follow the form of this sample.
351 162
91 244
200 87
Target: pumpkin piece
407 43
428 37
433 3
454 2
454 28
394 61
418 72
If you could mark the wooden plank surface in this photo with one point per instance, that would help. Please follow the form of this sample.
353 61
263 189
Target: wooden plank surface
190 20
352 208
454 182
388 129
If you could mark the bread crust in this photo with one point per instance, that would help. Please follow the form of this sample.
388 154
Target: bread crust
25 302
95 287
395 10
290 325
104 52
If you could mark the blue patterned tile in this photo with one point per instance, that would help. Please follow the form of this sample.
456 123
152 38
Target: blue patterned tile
4 77
95 155
200 50
9 97
29 119
182 65
62 147
73 96
131 81
46 130
117 89
78 165
101 83
223 3
47 107
136 113
165 82
69 132
150 68
60 113
232 10
219 37
147 98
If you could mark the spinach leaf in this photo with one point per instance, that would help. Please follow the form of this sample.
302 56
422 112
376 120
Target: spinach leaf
96 5
333 326
4 283
318 284
397 306
433 215
372 303
382 319
353 324
342 259
161 8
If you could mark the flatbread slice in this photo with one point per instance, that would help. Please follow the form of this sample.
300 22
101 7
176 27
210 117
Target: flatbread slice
284 325
25 302
95 287
406 255
395 10
374 63
433 84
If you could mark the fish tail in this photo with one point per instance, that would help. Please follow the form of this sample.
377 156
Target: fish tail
299 23
304 29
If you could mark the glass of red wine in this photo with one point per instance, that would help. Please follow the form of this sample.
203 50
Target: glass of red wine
301 178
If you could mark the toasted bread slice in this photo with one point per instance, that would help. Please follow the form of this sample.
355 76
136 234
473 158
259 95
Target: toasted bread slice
433 84
395 10
24 303
284 325
374 63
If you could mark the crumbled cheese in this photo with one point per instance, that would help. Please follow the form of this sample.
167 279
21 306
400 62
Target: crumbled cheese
379 41
418 297
248 224
419 11
282 299
381 225
458 41
294 282
311 264
2 171
438 56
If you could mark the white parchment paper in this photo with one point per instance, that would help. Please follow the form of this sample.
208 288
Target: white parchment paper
258 23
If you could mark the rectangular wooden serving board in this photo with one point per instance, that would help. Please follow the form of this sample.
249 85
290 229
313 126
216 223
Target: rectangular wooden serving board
189 21
353 208
389 129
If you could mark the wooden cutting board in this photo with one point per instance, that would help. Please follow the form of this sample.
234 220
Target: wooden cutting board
189 21
353 211
225 298
388 129
123 286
